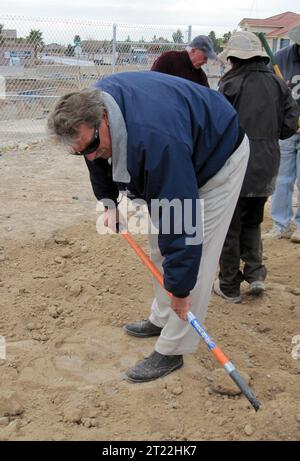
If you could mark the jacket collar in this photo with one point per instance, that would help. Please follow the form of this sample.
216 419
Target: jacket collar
118 133
185 54
250 67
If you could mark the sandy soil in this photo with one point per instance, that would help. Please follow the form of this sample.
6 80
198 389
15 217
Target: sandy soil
65 293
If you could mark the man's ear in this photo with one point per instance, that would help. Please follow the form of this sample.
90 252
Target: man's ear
105 117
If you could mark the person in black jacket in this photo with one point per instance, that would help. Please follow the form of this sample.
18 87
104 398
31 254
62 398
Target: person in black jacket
267 112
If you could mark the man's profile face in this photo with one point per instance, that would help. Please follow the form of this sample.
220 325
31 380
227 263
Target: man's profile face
197 57
87 133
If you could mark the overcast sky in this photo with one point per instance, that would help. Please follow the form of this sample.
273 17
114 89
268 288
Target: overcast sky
217 15
218 12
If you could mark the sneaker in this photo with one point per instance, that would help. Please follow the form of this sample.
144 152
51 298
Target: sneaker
295 237
219 292
143 329
153 367
279 232
257 287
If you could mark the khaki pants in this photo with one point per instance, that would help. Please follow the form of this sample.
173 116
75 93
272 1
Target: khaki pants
220 195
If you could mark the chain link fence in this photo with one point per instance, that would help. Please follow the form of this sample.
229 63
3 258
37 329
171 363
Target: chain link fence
44 58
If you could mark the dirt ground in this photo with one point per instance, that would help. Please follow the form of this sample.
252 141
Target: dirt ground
65 293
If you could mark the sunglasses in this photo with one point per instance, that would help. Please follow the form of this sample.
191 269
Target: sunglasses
92 146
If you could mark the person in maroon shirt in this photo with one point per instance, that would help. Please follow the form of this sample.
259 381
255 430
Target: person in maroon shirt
187 64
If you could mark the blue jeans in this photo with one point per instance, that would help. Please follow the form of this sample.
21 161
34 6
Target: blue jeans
289 173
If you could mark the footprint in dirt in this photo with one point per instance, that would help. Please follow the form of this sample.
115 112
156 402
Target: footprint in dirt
94 354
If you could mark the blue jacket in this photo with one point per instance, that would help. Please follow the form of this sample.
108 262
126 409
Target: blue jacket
179 135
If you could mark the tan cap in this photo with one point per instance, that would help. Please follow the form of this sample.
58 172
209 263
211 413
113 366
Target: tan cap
294 34
243 45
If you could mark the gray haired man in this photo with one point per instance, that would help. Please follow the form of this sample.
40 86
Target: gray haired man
163 139
188 63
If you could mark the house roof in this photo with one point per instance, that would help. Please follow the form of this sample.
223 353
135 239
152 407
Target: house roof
282 23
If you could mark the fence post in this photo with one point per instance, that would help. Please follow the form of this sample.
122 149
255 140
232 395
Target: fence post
2 87
189 34
114 47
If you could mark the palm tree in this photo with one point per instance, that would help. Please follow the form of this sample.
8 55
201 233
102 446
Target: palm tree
35 38
77 40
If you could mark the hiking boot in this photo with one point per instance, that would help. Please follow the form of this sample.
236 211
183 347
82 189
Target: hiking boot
296 236
279 232
257 287
234 299
153 367
143 329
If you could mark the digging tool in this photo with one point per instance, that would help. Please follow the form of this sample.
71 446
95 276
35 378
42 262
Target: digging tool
265 44
212 346
276 68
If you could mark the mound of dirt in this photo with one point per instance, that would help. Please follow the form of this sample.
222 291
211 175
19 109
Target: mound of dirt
66 292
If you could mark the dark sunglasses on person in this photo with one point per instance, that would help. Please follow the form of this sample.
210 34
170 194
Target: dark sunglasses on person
92 146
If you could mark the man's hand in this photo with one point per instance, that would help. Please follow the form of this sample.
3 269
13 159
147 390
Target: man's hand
181 306
111 217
